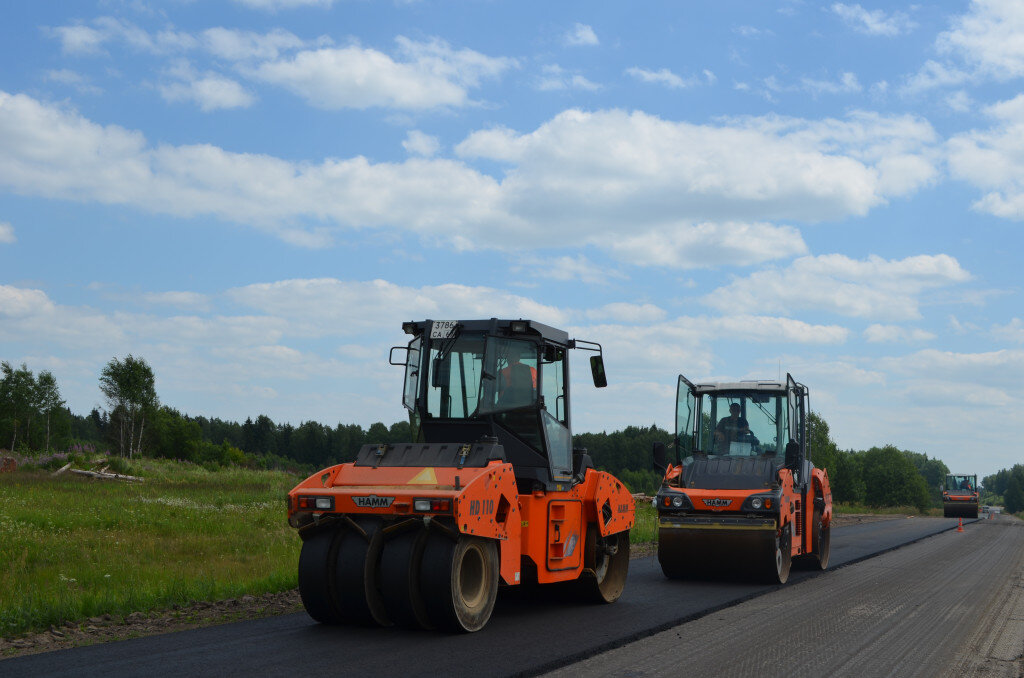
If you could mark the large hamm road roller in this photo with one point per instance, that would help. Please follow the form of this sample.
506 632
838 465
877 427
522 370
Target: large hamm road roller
742 497
490 493
960 496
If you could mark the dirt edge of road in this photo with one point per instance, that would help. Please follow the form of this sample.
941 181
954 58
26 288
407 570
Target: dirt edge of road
198 615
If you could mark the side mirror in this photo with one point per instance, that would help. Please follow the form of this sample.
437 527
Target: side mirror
440 375
597 370
660 457
402 362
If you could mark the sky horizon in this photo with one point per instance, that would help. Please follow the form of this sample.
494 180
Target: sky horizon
253 195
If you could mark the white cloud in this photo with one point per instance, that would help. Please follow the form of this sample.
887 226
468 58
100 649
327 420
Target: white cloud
847 84
210 91
237 45
874 22
992 160
581 35
627 313
17 301
895 333
867 288
79 39
553 78
707 245
327 306
989 38
7 233
185 300
274 5
698 195
662 77
431 74
1011 331
73 79
565 268
419 143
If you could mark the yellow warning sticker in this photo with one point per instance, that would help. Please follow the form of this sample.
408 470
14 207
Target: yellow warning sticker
424 477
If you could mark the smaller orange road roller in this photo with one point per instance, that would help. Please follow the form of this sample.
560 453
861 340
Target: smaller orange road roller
960 496
490 493
742 496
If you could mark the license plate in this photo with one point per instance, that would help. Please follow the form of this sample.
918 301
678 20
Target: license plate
442 329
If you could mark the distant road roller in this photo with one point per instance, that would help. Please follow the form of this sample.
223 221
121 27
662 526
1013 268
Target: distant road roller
960 496
742 496
490 493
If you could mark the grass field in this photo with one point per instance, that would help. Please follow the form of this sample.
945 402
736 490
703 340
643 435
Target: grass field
72 548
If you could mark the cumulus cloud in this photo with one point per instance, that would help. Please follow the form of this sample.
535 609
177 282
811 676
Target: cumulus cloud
565 268
627 313
661 77
327 306
1011 331
989 38
992 160
553 78
238 45
73 79
865 288
896 333
7 233
874 22
847 84
210 91
185 300
420 143
692 195
581 35
275 5
427 75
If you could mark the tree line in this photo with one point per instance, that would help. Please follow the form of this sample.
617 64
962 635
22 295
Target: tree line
1005 488
33 417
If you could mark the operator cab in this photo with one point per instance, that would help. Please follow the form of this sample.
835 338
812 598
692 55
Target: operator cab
740 428
508 379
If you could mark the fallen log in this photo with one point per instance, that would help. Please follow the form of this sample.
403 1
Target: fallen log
107 476
61 470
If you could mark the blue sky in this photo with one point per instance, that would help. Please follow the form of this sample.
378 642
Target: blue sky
254 194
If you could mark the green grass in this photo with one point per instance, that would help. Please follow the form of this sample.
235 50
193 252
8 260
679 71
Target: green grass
73 548
645 529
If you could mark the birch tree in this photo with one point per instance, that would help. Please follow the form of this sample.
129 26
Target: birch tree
130 390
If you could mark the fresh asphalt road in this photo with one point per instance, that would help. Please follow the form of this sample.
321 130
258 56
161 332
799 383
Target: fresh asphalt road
949 606
527 634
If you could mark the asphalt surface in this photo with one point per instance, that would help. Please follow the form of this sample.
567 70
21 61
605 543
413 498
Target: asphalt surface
948 606
528 634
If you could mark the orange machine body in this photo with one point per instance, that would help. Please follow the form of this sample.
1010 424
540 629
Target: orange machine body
549 527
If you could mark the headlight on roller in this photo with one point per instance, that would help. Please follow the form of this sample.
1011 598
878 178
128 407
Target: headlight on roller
756 502
677 501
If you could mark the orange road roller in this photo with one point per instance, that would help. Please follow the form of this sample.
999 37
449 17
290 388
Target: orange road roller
742 496
491 493
960 496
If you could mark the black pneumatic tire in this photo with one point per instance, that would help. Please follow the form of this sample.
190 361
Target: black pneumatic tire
356 591
604 574
459 581
400 563
316 576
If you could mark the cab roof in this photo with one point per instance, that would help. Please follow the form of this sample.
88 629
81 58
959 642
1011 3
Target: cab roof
738 386
503 327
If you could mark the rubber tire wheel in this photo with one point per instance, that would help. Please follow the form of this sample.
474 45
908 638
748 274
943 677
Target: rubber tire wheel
822 542
400 563
459 581
604 576
316 576
780 558
821 547
356 591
